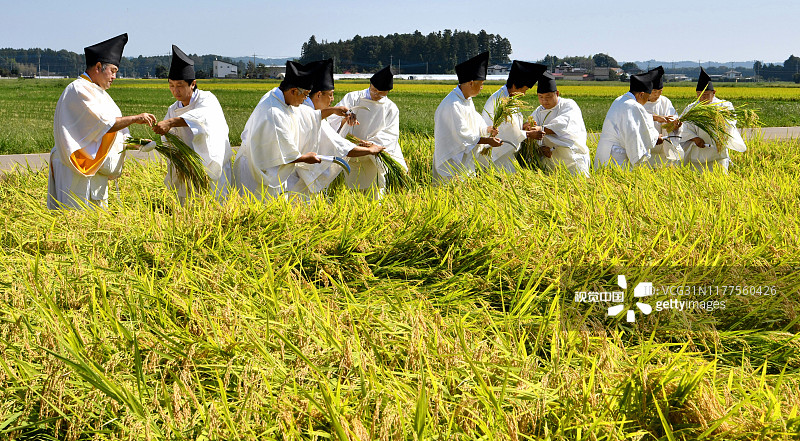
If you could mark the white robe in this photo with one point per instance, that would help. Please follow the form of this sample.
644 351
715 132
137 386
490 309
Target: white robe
628 134
457 130
708 158
380 124
272 139
317 177
206 134
669 152
568 144
84 114
502 158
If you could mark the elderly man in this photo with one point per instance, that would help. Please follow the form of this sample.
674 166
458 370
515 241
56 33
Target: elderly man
700 151
196 117
628 132
459 131
89 132
560 127
275 135
331 144
669 152
379 127
522 77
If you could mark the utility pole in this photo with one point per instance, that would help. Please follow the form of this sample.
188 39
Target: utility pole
391 60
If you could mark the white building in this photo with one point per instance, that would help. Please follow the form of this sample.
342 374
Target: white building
676 77
225 70
733 75
499 69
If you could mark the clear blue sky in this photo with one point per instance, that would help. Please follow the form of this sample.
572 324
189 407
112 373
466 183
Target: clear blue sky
727 30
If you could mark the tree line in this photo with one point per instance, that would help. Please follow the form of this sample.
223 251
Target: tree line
47 62
435 53
788 71
438 52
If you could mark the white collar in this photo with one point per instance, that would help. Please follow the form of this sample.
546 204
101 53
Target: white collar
460 94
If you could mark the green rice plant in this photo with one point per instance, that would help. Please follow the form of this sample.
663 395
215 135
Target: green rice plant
396 177
187 163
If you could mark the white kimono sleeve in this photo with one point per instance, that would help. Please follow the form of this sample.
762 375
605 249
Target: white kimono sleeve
569 129
639 134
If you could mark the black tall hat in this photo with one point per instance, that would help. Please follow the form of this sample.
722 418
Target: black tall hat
643 82
109 51
298 75
383 79
181 67
547 83
473 69
704 82
658 79
524 74
323 80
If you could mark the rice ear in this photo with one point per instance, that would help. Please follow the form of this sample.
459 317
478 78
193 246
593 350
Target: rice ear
188 164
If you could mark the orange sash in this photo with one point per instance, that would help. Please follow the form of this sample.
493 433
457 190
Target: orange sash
86 164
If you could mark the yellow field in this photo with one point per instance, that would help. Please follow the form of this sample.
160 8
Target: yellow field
603 90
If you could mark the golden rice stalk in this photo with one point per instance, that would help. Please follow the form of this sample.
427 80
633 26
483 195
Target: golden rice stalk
188 164
529 155
507 107
396 176
747 117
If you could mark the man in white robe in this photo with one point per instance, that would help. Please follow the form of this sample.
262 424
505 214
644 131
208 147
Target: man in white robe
628 132
560 127
89 132
522 77
379 126
700 151
459 132
274 137
670 152
319 176
197 118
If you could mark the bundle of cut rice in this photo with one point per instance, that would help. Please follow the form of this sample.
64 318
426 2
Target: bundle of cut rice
396 176
715 119
187 163
530 155
507 107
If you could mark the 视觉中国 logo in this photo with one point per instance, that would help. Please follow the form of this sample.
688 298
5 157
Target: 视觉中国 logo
643 289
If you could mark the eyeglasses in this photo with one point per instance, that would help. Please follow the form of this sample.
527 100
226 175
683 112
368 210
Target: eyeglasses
304 92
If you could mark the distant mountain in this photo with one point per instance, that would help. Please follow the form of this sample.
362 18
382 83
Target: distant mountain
265 61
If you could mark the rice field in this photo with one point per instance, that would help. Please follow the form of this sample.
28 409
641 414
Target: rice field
27 106
442 312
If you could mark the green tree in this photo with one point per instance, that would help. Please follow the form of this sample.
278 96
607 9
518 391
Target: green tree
630 67
162 71
604 60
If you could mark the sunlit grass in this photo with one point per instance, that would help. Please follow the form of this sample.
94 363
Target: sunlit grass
440 312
